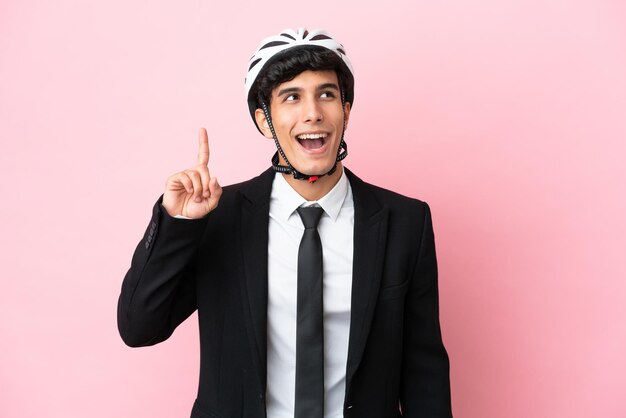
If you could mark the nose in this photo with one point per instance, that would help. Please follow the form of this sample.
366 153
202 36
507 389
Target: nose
312 111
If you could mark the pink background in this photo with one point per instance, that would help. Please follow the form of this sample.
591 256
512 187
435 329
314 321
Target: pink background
508 117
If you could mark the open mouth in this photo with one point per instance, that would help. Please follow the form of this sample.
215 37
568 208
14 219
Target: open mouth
312 141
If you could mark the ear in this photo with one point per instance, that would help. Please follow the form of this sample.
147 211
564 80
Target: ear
262 123
346 112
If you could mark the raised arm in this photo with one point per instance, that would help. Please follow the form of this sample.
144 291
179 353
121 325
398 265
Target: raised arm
158 291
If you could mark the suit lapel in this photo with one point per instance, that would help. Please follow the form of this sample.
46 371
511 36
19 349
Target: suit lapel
255 197
370 231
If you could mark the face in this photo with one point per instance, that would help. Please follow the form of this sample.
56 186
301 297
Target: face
308 120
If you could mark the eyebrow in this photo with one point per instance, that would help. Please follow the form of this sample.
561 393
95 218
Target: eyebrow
328 86
324 86
289 90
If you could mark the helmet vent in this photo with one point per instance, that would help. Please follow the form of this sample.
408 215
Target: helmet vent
255 62
286 35
273 43
320 37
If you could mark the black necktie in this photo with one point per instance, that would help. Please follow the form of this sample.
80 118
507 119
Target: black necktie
309 401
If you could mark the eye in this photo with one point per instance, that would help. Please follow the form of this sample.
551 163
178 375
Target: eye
291 97
328 95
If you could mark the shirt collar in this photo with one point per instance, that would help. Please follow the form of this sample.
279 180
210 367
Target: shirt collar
285 200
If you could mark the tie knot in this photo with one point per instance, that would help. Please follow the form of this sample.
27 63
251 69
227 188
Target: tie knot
310 216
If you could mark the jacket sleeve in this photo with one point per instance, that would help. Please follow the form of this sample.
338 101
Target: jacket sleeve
159 291
425 384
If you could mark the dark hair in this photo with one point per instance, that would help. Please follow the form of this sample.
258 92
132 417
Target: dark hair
287 65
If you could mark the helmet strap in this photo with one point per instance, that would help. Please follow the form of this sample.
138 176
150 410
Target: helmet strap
342 152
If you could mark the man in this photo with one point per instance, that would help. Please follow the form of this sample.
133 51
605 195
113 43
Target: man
316 292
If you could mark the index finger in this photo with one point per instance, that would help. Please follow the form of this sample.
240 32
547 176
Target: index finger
203 147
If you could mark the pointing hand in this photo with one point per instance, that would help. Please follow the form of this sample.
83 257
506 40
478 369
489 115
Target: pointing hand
192 192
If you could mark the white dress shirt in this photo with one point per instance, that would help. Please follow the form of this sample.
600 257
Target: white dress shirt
336 230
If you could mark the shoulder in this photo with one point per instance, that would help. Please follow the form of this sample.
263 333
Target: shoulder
256 189
382 196
262 180
407 219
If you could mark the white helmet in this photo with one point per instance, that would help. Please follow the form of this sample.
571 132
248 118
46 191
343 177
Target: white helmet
272 46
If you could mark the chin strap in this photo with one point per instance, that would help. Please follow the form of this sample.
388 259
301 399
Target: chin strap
342 152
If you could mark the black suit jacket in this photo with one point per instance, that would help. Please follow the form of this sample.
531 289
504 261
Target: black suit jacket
397 364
